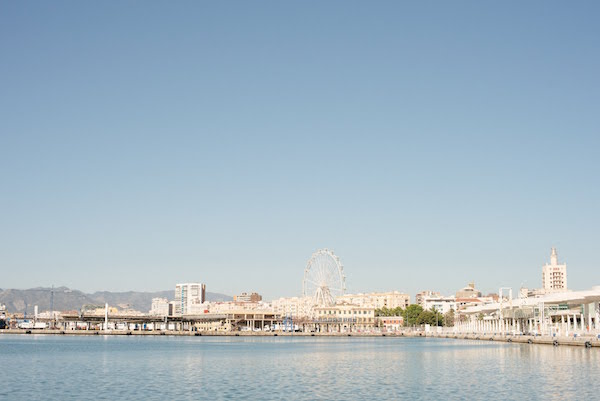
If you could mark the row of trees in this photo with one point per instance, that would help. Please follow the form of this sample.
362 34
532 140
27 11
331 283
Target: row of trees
415 315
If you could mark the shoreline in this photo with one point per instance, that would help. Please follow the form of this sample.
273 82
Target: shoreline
587 342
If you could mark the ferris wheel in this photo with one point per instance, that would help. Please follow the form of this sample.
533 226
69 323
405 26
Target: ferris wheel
324 278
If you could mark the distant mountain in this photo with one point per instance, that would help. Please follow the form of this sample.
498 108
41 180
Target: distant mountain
68 299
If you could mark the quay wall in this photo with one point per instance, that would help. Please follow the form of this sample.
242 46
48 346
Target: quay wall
584 341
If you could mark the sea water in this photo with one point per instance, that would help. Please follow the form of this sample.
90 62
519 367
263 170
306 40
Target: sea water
45 367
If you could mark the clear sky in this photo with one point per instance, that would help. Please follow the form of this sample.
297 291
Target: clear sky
148 143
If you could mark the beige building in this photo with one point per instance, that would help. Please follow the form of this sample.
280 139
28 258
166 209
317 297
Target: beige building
468 292
344 317
220 325
554 275
237 320
293 306
420 298
377 300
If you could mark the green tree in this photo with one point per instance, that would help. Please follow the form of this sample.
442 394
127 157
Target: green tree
430 317
425 317
449 318
397 311
382 312
389 312
411 314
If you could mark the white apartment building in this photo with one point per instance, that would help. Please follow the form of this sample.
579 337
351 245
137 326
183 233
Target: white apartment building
160 307
377 300
187 295
554 275
440 304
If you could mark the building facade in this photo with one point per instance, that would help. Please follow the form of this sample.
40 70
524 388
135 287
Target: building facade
440 304
390 323
377 300
344 318
245 297
468 292
420 297
293 306
187 295
554 275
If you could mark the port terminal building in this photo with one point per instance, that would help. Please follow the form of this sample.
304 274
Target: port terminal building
554 314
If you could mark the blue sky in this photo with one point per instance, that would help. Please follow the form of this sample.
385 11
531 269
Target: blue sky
428 145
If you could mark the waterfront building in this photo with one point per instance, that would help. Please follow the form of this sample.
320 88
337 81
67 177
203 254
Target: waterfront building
390 323
554 275
188 294
344 318
553 314
160 307
233 320
420 297
214 325
126 309
462 303
468 292
293 306
440 304
98 310
223 307
531 293
377 300
245 297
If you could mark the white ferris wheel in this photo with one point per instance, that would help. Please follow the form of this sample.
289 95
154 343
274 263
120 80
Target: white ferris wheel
324 278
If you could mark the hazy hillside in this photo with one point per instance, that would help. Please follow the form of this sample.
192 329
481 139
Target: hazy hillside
67 299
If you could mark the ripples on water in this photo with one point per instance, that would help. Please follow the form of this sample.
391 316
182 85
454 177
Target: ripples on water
275 368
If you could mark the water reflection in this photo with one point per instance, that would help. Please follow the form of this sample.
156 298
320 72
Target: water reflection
74 368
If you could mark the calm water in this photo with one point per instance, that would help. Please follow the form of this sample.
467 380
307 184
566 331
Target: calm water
275 368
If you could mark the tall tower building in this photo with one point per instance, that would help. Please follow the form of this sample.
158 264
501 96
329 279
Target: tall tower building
187 295
554 276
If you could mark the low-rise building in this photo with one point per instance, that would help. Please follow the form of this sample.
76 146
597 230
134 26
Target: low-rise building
531 293
224 307
344 318
462 303
390 323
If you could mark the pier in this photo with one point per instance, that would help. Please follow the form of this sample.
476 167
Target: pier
586 341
